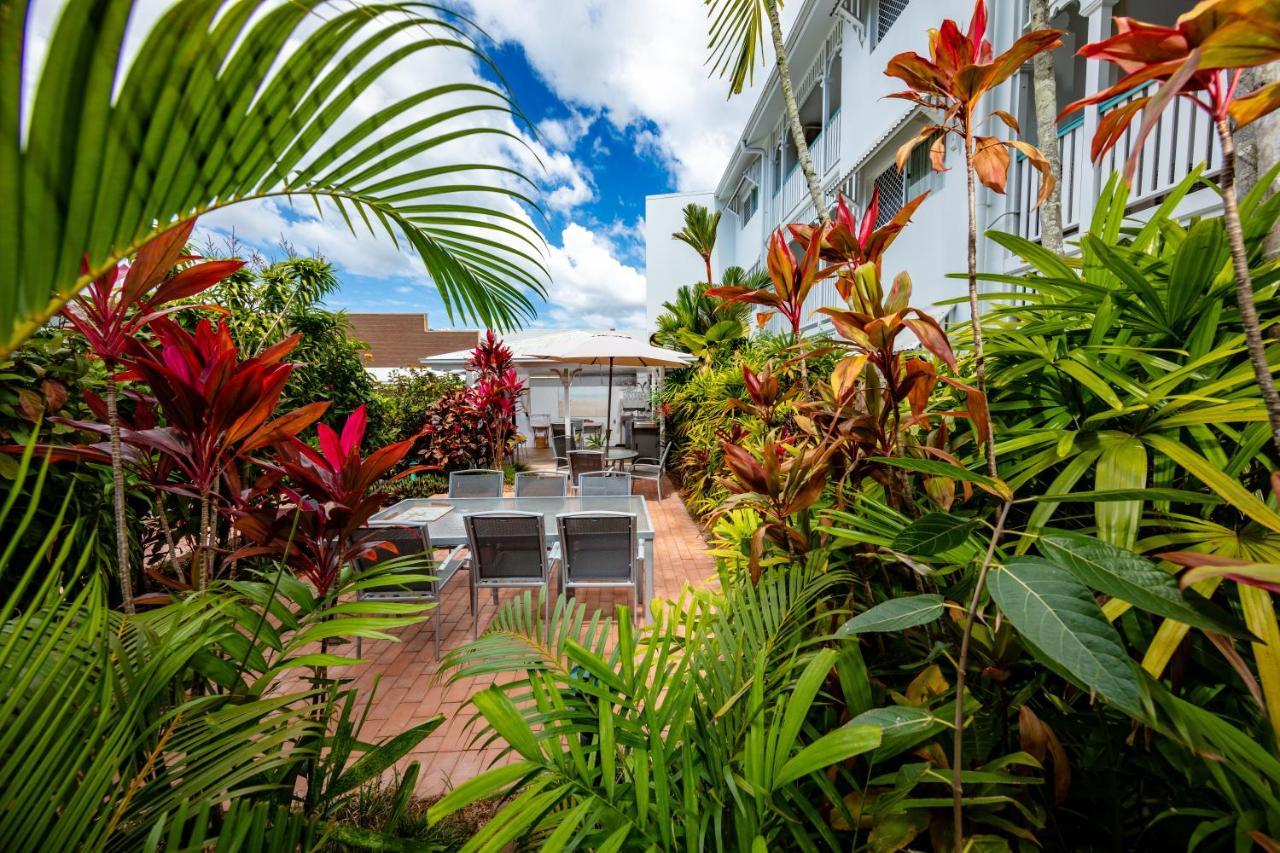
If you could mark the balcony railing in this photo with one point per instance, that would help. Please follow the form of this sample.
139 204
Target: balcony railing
1183 137
825 150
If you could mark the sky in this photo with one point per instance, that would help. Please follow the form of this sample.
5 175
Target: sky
622 106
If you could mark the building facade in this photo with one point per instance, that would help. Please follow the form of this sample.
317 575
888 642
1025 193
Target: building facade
838 51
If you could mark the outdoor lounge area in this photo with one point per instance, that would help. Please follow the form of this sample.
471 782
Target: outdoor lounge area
685 426
411 687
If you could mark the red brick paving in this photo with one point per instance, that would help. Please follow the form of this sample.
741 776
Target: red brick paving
409 690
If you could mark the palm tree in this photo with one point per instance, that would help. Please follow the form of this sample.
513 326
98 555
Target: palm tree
697 323
224 104
736 40
699 232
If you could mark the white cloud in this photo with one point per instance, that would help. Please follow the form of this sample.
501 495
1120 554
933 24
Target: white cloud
590 287
636 63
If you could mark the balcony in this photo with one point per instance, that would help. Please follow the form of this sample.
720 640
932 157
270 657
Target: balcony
1182 138
792 200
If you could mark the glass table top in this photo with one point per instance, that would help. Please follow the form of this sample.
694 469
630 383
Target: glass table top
448 529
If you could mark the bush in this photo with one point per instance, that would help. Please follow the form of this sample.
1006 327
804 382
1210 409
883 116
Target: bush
453 435
406 398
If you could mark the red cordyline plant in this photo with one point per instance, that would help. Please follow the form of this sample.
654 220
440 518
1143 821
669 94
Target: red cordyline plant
861 408
495 394
1201 58
218 409
846 240
329 497
111 312
792 280
961 69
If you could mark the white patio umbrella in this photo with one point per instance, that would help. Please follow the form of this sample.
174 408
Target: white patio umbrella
611 348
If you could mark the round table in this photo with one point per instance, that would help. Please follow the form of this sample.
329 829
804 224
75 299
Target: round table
617 455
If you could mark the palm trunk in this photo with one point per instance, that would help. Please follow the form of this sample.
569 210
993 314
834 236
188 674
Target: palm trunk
706 259
117 489
1046 98
971 614
793 113
202 557
1244 284
167 529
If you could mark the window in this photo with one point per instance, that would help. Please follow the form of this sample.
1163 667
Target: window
745 203
887 11
892 185
920 172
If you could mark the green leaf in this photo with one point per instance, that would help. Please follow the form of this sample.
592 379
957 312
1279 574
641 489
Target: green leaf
1058 615
482 787
835 746
896 614
901 727
933 533
1125 575
941 469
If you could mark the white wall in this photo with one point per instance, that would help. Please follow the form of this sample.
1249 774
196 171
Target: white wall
669 263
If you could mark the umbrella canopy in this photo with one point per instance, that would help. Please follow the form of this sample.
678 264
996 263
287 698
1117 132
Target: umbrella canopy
611 348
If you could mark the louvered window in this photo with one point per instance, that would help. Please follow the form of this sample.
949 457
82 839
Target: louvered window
887 11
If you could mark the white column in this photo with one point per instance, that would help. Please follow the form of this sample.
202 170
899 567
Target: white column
1096 78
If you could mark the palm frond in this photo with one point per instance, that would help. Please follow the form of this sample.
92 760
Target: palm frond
219 107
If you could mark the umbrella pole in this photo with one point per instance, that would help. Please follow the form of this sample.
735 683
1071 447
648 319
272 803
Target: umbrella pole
608 410
566 379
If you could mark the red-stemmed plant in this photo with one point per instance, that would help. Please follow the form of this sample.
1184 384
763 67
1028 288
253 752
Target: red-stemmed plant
218 409
111 312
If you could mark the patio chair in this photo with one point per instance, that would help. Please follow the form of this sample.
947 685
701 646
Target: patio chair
600 549
648 468
409 540
508 549
475 483
541 484
604 484
584 460
562 446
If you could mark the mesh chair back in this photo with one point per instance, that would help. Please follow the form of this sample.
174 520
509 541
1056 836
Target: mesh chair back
507 546
408 540
584 460
598 547
475 483
561 444
541 484
604 484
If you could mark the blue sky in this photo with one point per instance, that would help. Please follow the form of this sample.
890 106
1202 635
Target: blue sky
623 106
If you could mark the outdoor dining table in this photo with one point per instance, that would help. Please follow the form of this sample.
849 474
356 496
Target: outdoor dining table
617 455
447 530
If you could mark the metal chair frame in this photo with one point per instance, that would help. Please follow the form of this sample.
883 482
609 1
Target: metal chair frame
567 581
653 469
476 475
544 568
443 572
534 478
597 483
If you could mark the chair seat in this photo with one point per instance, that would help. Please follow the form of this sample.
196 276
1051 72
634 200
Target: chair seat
644 469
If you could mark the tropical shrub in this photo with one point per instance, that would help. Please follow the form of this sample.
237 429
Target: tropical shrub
406 397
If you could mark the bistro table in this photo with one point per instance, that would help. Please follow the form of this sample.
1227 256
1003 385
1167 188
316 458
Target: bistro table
447 530
617 455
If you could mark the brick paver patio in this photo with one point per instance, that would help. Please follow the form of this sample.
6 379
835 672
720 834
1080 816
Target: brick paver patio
408 691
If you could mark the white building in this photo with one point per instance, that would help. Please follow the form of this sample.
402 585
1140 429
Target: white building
838 51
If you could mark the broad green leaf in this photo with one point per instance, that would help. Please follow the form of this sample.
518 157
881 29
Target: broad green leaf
933 533
1058 614
941 469
896 614
901 727
835 746
1123 574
